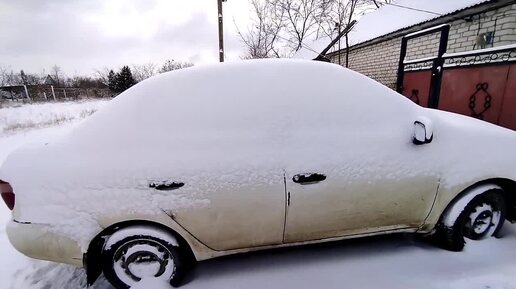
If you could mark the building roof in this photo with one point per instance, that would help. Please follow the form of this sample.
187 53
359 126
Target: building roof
398 15
390 18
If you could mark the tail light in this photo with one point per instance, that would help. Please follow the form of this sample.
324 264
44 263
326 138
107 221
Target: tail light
7 194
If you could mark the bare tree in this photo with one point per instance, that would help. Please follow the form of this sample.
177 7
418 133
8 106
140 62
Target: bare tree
103 75
334 18
8 77
4 71
279 27
301 18
380 3
262 37
352 6
27 78
57 75
13 78
340 13
143 71
283 25
171 64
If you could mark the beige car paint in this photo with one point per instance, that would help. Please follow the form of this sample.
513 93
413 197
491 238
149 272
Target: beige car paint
448 194
39 242
241 218
199 249
378 182
319 211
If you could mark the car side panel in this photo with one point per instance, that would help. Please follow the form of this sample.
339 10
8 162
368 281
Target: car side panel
240 217
337 208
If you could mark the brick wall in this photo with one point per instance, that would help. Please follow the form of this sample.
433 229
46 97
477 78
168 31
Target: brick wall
380 60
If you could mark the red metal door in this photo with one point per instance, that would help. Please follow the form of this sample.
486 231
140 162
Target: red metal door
416 86
508 114
474 91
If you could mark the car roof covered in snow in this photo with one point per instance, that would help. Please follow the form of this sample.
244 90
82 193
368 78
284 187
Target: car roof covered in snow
225 103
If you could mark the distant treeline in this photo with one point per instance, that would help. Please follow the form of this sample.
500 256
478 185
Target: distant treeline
56 85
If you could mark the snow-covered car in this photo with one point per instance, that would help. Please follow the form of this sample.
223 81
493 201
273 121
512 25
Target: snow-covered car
230 158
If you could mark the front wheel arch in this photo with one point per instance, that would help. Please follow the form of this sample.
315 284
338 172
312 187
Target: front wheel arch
507 185
449 231
92 258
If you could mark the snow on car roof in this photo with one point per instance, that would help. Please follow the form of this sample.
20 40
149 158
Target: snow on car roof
390 18
214 96
214 127
240 110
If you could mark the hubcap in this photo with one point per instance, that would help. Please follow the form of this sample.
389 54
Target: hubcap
138 259
483 221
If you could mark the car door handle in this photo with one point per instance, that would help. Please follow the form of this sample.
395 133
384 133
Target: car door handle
166 185
308 178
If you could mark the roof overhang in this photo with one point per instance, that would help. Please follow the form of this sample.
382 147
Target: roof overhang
464 14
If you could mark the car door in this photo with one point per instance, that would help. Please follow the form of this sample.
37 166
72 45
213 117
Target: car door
238 215
360 177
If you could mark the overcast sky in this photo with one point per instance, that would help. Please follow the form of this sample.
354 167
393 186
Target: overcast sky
83 35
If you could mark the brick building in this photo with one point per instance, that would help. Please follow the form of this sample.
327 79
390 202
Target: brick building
479 24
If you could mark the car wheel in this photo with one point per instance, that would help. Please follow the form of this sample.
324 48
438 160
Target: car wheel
128 258
482 216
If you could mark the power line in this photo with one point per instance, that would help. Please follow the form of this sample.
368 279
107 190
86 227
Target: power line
415 9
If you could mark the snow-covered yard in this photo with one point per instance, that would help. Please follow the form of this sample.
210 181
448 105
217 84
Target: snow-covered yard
15 117
398 261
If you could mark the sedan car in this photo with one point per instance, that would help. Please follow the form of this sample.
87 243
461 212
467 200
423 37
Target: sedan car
230 158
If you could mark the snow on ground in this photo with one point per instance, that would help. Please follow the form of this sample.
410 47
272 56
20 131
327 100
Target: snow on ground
398 261
21 271
151 283
17 116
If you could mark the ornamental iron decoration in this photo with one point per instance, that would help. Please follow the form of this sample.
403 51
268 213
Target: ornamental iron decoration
481 88
423 65
415 96
482 59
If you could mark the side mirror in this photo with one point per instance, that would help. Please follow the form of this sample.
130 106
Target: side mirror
423 131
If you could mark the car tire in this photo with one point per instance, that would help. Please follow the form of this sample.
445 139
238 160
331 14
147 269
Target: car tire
129 259
481 218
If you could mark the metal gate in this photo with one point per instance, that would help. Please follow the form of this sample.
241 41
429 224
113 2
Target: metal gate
479 83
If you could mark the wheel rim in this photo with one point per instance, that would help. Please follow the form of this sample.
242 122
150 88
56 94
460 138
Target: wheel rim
138 259
483 221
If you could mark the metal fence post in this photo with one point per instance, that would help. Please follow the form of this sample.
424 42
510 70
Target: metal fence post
26 91
401 67
437 69
53 93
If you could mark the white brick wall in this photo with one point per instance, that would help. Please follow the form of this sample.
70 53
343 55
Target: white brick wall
380 61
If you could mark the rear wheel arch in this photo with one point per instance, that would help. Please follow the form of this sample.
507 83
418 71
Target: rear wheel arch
92 258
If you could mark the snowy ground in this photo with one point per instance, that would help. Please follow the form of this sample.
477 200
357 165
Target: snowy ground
398 261
16 117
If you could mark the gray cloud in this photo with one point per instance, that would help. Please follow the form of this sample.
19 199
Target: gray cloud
38 34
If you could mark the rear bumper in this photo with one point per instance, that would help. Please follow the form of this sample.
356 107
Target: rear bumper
39 242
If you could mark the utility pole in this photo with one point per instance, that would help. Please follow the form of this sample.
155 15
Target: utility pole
221 31
338 27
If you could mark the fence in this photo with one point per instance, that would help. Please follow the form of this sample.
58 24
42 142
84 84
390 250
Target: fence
479 83
50 93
